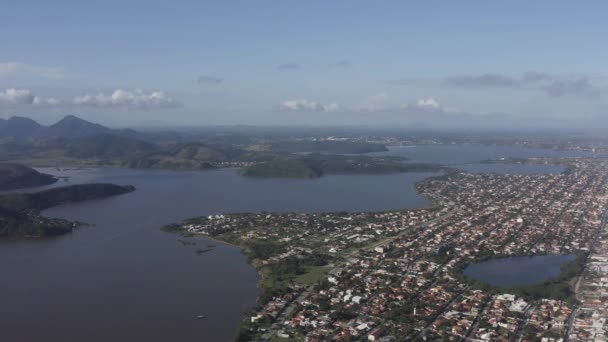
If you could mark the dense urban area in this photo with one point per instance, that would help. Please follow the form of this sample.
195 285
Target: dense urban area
398 275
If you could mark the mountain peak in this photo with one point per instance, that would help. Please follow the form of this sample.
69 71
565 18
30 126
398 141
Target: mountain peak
19 127
73 126
72 119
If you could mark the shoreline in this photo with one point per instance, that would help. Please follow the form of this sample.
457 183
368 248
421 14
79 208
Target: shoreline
432 206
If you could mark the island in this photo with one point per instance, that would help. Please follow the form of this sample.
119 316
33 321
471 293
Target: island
20 213
316 165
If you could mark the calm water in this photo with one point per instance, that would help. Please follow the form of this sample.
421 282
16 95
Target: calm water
467 157
515 271
124 279
468 153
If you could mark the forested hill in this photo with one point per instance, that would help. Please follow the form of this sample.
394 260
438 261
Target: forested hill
20 213
14 176
317 165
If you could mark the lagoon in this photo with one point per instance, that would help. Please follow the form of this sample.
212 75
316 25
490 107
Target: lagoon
517 271
124 279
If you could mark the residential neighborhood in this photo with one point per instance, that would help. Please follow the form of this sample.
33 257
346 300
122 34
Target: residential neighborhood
398 275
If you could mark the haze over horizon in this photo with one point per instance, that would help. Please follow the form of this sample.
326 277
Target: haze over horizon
431 65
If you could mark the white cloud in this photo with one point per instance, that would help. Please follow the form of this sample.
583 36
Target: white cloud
302 105
136 99
126 99
21 69
429 104
13 96
333 107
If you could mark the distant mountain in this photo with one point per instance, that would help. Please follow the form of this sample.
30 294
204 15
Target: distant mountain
193 156
74 127
19 129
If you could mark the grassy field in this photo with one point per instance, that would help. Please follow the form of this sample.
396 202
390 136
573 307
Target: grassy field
313 275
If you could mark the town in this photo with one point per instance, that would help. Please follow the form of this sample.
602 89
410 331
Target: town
398 275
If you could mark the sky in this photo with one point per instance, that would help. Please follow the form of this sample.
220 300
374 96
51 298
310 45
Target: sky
411 64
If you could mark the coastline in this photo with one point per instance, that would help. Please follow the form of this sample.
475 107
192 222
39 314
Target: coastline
251 261
236 238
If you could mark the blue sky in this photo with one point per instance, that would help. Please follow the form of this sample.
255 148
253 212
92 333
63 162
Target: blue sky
422 64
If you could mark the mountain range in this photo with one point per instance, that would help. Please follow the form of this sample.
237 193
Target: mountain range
73 141
87 143
20 129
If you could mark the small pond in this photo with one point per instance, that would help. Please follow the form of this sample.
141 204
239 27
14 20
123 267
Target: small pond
517 271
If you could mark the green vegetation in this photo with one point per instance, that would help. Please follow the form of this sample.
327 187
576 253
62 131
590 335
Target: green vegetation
261 249
20 213
278 276
559 288
290 168
14 176
192 156
24 224
316 165
107 146
556 288
312 275
62 195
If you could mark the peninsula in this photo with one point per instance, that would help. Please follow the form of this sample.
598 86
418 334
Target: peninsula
20 213
15 176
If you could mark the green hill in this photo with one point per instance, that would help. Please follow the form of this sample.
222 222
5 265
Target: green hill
14 176
316 165
20 213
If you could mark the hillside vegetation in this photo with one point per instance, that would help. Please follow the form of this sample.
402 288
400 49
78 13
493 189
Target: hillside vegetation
317 165
14 176
20 213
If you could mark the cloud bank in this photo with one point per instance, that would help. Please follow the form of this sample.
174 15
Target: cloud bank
127 99
303 105
553 85
13 96
378 103
119 98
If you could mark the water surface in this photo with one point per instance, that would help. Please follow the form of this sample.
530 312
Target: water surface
516 271
125 280
472 153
